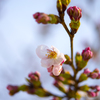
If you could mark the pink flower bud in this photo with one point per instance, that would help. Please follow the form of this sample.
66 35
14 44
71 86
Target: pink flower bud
55 98
91 94
75 13
97 88
36 15
86 71
37 74
96 93
41 18
96 70
87 54
98 76
12 89
33 76
93 75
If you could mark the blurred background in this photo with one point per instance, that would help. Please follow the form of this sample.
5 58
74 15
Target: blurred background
20 35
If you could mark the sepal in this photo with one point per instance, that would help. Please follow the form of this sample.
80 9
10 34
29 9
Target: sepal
80 62
84 88
83 77
68 61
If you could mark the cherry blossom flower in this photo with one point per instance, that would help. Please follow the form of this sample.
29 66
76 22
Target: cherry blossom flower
51 58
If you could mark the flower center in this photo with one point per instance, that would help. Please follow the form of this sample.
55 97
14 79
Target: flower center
51 54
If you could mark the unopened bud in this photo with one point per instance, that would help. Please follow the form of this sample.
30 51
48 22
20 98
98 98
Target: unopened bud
98 76
86 71
96 94
96 70
32 76
60 86
87 54
93 75
75 13
12 89
91 94
97 88
66 2
41 18
59 6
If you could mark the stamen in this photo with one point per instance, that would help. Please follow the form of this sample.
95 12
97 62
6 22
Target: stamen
51 54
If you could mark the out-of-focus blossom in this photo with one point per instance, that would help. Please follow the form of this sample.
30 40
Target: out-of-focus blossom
86 71
91 94
34 76
45 18
93 75
51 58
97 88
12 89
41 18
96 70
87 54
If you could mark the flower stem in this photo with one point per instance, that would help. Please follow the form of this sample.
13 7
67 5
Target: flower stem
66 28
72 64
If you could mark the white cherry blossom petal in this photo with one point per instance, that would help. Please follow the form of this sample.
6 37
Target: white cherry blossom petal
47 62
56 50
61 59
57 70
41 51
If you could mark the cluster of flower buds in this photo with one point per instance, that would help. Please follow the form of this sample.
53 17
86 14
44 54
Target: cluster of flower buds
75 13
34 86
94 75
46 19
12 89
62 5
94 92
51 58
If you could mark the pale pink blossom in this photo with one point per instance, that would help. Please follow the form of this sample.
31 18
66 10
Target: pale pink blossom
56 70
51 58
